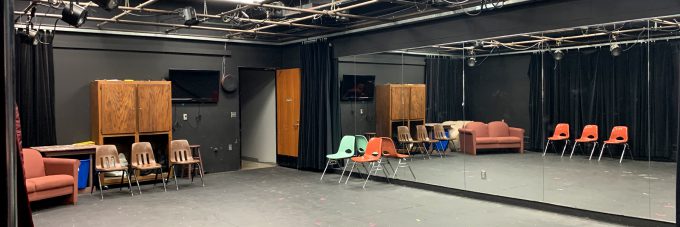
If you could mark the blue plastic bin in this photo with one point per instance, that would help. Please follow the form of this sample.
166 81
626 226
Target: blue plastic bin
442 145
83 173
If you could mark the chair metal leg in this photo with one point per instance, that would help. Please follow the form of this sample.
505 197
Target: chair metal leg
200 168
347 160
165 189
623 152
368 176
397 169
92 186
324 169
136 181
129 183
546 148
384 171
572 149
350 172
122 176
566 144
412 174
101 191
592 151
601 150
174 174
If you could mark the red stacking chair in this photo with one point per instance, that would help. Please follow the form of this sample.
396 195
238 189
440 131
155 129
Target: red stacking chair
619 135
561 134
372 155
589 135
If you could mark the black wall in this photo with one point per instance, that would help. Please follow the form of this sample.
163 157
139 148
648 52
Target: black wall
80 59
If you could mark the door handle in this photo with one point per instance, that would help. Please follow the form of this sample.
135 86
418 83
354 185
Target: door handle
297 124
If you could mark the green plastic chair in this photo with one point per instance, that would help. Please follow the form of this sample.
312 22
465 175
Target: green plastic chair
345 151
361 144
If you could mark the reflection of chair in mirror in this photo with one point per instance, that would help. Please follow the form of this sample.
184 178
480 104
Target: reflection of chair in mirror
107 160
405 139
440 135
424 138
589 135
180 154
619 135
495 135
561 134
372 156
390 151
361 143
454 134
345 151
143 159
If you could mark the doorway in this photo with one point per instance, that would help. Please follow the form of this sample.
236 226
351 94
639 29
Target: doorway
257 104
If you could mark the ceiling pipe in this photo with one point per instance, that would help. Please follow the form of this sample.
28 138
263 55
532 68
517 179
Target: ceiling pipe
126 12
330 11
312 11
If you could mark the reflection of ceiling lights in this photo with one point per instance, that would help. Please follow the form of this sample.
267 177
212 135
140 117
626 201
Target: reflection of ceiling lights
558 55
472 60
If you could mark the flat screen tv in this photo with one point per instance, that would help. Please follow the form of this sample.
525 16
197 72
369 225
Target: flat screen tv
195 86
357 87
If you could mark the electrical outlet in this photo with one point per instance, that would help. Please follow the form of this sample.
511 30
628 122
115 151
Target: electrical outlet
230 148
185 117
233 114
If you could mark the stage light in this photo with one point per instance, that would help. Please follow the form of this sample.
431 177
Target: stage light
107 5
615 49
558 55
33 34
74 14
472 60
189 14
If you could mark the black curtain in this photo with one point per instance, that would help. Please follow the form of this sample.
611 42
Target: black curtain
590 86
444 84
35 88
319 106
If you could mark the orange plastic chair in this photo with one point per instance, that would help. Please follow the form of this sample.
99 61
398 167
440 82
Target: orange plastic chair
619 135
561 133
372 155
390 151
589 135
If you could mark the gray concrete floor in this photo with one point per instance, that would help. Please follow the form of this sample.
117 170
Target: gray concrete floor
633 188
285 197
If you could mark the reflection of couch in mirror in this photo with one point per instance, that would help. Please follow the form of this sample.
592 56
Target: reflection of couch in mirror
453 127
495 135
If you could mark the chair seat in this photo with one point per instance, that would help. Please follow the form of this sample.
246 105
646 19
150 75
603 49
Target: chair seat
397 155
486 140
362 159
120 168
186 162
615 141
558 138
147 166
339 156
51 182
586 140
508 139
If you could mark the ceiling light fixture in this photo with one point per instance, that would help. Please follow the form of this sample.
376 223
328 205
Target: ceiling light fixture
614 48
189 15
74 15
558 55
472 60
107 5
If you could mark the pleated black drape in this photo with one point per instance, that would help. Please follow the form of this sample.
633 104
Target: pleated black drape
592 87
319 106
444 85
35 89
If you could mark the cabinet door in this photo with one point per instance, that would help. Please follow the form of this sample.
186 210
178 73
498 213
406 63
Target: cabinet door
417 107
400 102
155 111
118 108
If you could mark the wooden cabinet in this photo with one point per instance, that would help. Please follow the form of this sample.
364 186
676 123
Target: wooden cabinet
154 113
399 104
117 109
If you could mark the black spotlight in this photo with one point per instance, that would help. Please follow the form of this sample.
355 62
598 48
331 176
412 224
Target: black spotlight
74 14
107 5
615 49
558 55
189 14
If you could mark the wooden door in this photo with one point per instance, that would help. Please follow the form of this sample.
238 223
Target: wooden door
118 108
399 102
287 111
155 111
417 104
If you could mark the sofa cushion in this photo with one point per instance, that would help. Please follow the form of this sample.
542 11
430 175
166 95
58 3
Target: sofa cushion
486 140
479 128
498 129
508 139
33 163
30 186
52 181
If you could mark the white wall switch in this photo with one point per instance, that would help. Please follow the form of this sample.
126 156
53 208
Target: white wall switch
230 147
185 117
233 114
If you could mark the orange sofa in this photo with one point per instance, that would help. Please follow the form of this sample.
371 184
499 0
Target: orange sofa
495 135
50 177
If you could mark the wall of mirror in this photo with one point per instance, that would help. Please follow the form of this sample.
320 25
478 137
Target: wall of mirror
581 117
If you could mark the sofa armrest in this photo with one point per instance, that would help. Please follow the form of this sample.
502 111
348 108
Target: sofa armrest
467 141
54 166
517 132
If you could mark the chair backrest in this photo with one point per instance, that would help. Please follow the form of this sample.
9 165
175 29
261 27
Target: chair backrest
421 133
107 157
346 146
619 133
374 148
480 129
361 143
561 129
142 154
33 163
180 151
404 134
589 132
498 129
388 147
439 133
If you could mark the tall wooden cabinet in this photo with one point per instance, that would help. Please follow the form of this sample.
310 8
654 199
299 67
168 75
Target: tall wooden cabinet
399 104
125 112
